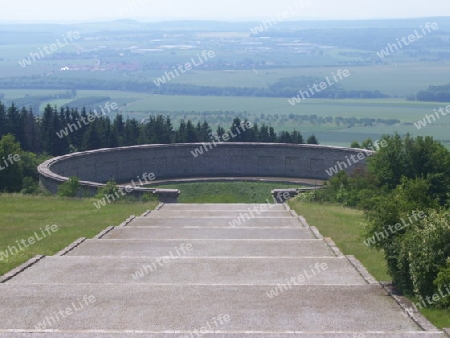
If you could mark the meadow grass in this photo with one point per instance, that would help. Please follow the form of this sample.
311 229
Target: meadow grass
345 226
75 218
226 192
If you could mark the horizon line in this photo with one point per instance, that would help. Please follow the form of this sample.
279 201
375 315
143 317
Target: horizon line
241 20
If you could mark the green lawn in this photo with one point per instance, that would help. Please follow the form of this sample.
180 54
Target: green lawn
345 226
226 192
75 218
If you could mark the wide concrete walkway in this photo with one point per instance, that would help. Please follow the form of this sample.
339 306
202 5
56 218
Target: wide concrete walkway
203 270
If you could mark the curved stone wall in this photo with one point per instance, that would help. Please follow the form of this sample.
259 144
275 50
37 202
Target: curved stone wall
220 160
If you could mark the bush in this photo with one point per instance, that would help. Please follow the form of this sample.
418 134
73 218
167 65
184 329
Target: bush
110 188
442 282
29 186
389 209
353 190
407 175
149 197
306 196
426 249
69 188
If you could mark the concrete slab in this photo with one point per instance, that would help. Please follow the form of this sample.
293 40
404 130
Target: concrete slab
177 270
250 213
204 248
207 233
224 206
191 334
216 222
186 308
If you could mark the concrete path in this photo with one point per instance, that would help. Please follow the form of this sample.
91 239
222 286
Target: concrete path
203 270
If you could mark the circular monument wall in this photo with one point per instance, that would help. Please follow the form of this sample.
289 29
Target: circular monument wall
171 161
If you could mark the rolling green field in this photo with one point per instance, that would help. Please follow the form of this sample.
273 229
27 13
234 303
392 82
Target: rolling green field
397 80
394 79
275 112
140 104
400 79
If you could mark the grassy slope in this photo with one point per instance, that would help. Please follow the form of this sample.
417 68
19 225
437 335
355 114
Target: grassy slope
345 227
22 215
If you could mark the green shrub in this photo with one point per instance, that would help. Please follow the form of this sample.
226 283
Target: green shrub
306 196
110 188
69 188
442 282
149 197
29 186
426 249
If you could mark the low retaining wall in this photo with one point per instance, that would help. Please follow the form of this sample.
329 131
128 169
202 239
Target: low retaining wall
124 164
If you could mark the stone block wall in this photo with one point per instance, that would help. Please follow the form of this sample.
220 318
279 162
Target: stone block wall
221 160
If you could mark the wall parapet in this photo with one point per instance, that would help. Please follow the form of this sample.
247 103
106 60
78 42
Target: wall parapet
173 161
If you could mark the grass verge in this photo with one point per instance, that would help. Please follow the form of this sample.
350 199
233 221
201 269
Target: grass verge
345 226
75 218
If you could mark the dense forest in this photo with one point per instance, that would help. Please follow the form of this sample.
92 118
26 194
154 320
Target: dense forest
57 132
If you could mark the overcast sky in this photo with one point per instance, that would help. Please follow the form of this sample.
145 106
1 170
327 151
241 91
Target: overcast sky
155 10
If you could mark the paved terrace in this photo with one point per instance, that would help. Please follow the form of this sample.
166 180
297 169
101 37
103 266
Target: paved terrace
192 270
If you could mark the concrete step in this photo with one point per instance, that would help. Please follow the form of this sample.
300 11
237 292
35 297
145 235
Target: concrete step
195 334
170 308
250 213
224 206
216 222
204 248
207 233
175 269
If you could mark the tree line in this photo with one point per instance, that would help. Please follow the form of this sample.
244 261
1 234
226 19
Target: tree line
434 94
286 88
60 131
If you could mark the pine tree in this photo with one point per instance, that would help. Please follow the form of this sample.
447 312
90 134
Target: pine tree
10 173
48 132
3 123
15 123
32 136
131 132
191 134
312 140
181 133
